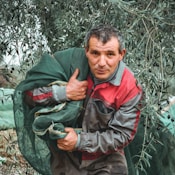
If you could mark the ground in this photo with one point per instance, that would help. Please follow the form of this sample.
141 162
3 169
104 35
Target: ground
11 160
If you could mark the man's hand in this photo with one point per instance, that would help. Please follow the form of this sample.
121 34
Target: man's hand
75 89
68 143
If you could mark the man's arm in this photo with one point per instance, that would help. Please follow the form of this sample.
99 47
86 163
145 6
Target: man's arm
121 131
46 96
49 95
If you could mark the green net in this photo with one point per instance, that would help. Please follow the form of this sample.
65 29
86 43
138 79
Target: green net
33 147
6 112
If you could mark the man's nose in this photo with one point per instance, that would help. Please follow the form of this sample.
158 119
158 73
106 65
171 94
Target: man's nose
102 60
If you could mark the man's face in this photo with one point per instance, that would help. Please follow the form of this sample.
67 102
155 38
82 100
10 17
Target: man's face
103 59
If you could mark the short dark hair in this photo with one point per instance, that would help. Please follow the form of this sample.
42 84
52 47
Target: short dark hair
104 32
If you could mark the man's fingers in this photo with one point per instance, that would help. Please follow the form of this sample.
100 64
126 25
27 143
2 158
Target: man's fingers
68 129
75 89
84 84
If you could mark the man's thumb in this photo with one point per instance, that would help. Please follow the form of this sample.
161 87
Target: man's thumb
75 74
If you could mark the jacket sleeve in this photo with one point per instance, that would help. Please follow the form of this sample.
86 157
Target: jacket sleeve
121 130
46 96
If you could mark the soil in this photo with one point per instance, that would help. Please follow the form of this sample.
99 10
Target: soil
11 160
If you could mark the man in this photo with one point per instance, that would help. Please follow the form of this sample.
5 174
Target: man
111 109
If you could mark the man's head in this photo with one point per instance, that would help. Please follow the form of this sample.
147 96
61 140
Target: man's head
104 50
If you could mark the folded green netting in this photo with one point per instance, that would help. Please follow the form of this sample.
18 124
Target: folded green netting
168 116
50 69
162 156
52 119
6 112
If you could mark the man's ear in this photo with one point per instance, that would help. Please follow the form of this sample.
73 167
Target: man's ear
86 50
122 53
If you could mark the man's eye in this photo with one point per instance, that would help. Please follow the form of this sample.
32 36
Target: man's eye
110 54
95 53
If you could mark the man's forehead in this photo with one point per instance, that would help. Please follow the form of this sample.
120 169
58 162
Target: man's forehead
111 45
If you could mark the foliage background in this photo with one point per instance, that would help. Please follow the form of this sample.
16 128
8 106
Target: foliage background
30 27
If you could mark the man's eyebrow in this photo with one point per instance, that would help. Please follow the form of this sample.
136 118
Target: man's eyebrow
110 51
94 50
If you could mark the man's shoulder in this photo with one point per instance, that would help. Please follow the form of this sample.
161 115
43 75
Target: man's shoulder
128 73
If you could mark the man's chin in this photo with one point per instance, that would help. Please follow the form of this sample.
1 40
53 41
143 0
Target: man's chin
101 77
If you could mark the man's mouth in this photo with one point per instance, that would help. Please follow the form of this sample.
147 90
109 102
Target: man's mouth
101 71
